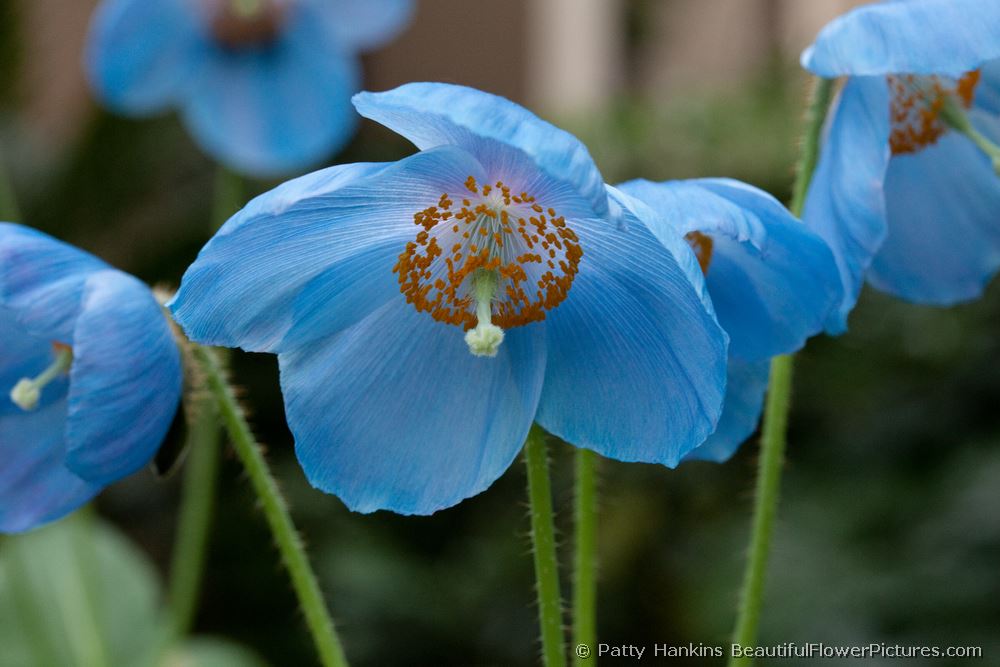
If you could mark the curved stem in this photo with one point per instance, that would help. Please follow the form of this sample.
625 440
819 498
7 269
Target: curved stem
275 510
819 103
585 557
772 456
774 437
543 541
197 505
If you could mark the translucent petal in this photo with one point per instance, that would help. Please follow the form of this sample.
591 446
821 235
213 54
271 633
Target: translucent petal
917 36
395 413
636 360
314 255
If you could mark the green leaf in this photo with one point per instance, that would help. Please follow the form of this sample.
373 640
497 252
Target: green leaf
211 652
75 593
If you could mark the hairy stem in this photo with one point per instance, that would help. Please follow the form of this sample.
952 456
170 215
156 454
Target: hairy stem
543 541
275 510
585 556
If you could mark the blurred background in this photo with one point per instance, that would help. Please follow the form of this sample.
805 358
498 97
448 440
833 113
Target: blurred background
889 528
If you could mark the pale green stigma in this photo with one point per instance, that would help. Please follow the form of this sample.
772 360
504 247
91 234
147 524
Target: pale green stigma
247 9
27 392
485 338
956 118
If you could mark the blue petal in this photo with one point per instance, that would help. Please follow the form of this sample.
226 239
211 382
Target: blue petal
271 111
433 114
845 204
360 25
141 54
313 256
917 37
636 360
35 486
988 91
943 245
395 413
772 281
41 280
746 384
125 381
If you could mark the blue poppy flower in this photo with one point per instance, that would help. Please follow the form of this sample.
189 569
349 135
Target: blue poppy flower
902 196
90 374
772 281
263 85
426 312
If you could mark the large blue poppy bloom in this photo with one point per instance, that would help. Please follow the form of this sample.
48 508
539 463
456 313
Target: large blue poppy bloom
772 281
901 196
363 278
263 85
89 372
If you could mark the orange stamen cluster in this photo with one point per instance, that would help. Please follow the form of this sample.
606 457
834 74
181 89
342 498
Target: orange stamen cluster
534 253
702 245
916 106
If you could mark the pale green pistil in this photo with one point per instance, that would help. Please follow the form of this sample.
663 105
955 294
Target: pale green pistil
956 118
247 9
27 392
485 338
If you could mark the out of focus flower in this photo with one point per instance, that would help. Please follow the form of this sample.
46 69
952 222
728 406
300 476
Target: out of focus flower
263 85
772 281
90 374
425 312
906 191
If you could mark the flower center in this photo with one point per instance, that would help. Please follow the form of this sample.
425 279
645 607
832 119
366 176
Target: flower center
487 260
917 105
702 245
246 24
27 392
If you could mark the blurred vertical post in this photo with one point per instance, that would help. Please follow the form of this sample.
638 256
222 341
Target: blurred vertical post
576 54
9 211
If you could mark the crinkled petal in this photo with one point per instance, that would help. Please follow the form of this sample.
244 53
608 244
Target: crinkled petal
917 37
636 360
141 54
314 255
943 203
35 486
845 204
360 25
746 385
433 114
772 281
395 413
272 111
125 381
41 280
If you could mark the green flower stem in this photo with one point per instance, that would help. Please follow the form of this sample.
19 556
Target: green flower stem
543 540
774 437
585 557
197 506
275 510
